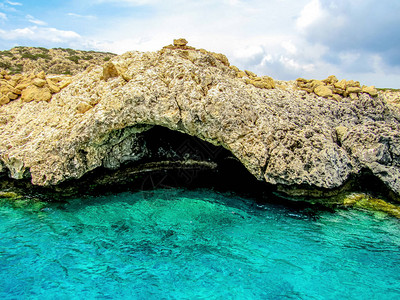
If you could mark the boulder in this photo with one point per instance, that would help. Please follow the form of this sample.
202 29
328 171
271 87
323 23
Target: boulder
340 84
330 80
180 42
83 107
109 71
323 91
34 93
371 90
39 82
4 100
54 88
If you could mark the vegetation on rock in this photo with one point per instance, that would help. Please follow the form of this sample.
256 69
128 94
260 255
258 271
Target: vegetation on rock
52 61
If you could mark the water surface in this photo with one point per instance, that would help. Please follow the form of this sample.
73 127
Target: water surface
181 244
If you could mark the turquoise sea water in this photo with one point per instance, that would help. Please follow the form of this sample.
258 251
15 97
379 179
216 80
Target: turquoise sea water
181 244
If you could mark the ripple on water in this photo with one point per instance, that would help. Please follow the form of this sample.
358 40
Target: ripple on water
195 244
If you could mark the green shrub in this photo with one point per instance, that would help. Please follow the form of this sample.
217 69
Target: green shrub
35 56
44 50
6 53
74 58
44 56
28 55
71 52
5 65
17 69
107 58
67 72
89 57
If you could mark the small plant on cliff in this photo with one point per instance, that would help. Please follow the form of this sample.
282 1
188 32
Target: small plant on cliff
88 57
107 58
74 58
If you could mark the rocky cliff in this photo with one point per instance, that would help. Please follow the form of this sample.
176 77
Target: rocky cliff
283 135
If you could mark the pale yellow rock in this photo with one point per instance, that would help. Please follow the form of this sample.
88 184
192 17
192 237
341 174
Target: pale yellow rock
353 89
323 91
109 71
337 97
353 96
316 83
34 93
302 80
340 85
336 90
41 75
331 79
64 83
54 88
269 81
12 96
341 131
180 42
4 100
352 83
222 58
241 74
370 90
22 86
83 107
234 68
249 73
39 82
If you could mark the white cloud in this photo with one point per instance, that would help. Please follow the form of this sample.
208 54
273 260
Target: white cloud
310 14
35 21
40 34
89 17
14 3
131 2
3 16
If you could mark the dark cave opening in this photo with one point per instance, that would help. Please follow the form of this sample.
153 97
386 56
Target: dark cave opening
173 159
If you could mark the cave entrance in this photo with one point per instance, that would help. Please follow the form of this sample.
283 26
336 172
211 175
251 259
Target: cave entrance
173 159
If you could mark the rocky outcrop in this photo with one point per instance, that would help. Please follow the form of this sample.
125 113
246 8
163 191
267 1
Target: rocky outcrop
30 87
282 135
332 88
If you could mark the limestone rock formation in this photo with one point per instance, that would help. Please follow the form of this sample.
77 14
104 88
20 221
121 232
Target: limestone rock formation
283 136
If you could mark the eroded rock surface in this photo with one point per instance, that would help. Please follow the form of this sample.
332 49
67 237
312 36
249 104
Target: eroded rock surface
282 135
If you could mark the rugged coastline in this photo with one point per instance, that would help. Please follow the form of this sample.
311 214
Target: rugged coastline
297 137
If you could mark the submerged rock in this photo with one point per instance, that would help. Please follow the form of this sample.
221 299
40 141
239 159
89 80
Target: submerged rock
283 136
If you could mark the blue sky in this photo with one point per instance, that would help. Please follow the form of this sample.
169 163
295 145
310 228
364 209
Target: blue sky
286 39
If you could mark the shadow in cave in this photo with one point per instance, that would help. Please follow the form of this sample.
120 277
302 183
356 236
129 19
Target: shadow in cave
172 159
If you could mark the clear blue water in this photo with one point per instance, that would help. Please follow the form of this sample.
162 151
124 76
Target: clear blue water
180 244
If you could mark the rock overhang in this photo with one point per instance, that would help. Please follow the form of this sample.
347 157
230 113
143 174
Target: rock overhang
281 135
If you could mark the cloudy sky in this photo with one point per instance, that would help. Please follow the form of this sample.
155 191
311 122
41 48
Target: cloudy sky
286 39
